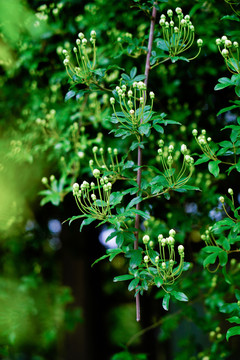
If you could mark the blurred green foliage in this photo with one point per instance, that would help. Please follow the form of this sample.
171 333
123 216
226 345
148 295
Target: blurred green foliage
48 129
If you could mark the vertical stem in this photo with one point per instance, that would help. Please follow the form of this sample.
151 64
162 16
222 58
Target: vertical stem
139 172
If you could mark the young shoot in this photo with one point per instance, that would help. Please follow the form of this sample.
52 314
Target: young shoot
84 63
230 52
176 178
94 199
161 264
178 34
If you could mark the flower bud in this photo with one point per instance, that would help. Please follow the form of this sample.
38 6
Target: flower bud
200 42
152 95
146 239
146 259
163 265
93 34
170 13
218 42
44 180
180 249
78 42
235 44
221 199
230 191
160 237
96 173
194 132
75 187
93 197
95 149
172 232
52 178
178 10
184 149
157 259
112 100
225 53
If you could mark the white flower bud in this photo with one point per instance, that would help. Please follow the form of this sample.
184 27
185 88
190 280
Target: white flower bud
146 239
170 13
146 259
115 151
81 35
200 42
65 62
93 197
224 38
225 52
163 265
184 149
75 187
178 10
162 22
93 34
230 191
218 42
78 42
172 232
131 112
95 149
194 132
160 237
157 259
112 100
171 23
235 44
152 95
180 249
96 173
130 93
44 180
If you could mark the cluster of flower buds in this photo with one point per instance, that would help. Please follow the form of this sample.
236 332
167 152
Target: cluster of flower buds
82 67
174 178
94 199
204 141
178 36
134 111
230 52
208 237
222 201
111 167
161 264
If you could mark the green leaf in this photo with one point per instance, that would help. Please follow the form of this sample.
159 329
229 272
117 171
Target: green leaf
115 198
120 239
158 281
233 331
123 278
113 252
234 319
133 284
165 302
133 72
87 221
210 259
223 258
135 257
144 129
213 167
99 259
133 202
158 128
180 296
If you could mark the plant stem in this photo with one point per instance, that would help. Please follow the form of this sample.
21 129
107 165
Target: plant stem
139 172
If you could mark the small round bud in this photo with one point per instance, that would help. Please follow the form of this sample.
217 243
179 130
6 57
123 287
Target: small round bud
93 34
200 42
194 132
109 150
52 178
84 42
65 62
160 237
75 50
235 44
161 143
209 139
157 259
44 180
224 38
180 249
187 17
112 100
93 197
218 42
225 53
170 148
81 35
146 239
172 232
78 42
183 22
221 199
230 191
178 10
184 149
115 151
151 244
146 259
171 23
163 265
176 29
75 187
95 149
152 95
170 13
162 22
228 43
131 112
96 173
